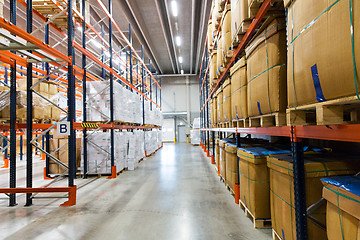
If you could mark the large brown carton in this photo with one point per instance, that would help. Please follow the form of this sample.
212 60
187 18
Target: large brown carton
217 150
321 66
254 178
266 70
282 189
220 57
227 100
343 207
239 90
231 165
222 159
210 33
214 110
213 68
238 15
226 32
219 94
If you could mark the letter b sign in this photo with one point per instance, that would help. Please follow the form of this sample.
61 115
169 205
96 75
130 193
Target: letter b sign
63 128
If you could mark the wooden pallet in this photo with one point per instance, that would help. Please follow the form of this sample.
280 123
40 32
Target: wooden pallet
268 120
275 236
242 29
229 189
225 125
258 223
339 111
241 123
276 8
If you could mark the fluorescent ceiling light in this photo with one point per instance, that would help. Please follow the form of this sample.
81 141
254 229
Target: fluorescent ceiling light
174 8
180 60
182 71
178 40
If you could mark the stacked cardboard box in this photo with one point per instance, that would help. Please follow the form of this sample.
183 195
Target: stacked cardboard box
343 207
282 203
238 16
62 154
266 70
239 90
322 50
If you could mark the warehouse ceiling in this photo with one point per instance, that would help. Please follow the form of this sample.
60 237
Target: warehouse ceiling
155 26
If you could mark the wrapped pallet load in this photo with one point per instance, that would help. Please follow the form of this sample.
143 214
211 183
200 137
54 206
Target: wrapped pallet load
323 46
282 201
266 70
226 32
238 16
227 100
219 94
343 207
239 90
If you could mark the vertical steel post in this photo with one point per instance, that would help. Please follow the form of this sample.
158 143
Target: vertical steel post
29 109
12 200
213 147
21 147
137 73
143 85
130 56
71 96
160 91
47 135
299 188
103 73
83 66
112 139
237 185
126 64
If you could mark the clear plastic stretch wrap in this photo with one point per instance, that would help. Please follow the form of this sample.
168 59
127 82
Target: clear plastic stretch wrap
153 115
153 140
196 123
195 136
127 104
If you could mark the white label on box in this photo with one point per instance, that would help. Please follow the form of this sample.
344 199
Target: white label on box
63 128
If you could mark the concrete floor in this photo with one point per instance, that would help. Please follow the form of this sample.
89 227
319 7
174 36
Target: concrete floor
175 194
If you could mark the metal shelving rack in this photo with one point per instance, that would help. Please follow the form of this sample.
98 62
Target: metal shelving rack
26 51
345 133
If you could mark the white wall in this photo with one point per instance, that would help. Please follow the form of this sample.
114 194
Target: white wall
174 95
168 130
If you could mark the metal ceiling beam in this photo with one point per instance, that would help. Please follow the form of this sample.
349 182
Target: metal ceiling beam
166 28
204 16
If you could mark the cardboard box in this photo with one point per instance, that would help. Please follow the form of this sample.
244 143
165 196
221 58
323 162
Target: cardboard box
219 94
214 110
231 165
52 89
222 159
320 57
282 203
220 57
53 166
343 207
239 13
239 90
266 70
227 100
226 31
213 68
254 178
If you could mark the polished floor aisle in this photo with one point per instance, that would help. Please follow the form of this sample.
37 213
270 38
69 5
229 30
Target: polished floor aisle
175 194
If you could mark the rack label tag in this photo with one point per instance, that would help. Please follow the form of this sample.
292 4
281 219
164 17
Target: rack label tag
63 128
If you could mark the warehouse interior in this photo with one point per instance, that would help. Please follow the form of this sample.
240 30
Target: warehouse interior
180 119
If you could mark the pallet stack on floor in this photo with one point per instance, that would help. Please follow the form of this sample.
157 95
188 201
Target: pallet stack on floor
299 68
284 76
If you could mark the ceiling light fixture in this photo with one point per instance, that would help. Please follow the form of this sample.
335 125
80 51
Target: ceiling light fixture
182 72
178 41
174 8
180 60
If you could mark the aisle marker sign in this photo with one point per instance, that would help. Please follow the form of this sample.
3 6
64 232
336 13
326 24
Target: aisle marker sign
63 128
